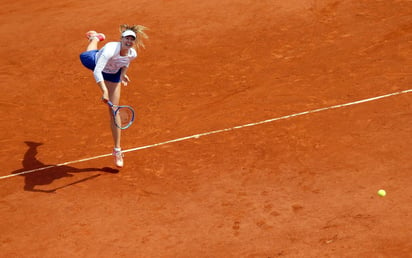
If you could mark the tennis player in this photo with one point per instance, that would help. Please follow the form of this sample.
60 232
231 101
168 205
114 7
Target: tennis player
109 66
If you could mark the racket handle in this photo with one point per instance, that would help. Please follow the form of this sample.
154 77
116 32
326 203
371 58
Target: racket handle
108 102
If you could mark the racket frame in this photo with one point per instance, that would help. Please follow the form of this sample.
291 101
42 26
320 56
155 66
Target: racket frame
115 108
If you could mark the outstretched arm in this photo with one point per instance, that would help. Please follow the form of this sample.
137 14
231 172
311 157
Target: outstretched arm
104 90
98 71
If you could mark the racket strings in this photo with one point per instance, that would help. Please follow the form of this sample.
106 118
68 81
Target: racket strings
124 117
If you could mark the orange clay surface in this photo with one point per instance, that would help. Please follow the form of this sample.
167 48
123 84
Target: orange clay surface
305 186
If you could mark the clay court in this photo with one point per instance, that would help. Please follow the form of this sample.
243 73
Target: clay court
264 129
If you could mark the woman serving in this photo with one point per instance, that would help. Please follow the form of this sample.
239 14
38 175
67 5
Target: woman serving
109 66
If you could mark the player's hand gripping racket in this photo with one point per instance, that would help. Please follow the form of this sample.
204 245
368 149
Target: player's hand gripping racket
123 116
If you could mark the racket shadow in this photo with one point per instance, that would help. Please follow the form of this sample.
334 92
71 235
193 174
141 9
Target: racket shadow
45 177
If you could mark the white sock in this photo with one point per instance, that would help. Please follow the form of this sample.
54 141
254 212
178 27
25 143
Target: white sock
117 149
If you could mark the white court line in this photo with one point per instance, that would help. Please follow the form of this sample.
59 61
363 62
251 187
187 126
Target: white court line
214 132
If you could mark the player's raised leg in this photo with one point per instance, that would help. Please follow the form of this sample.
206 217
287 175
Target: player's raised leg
94 39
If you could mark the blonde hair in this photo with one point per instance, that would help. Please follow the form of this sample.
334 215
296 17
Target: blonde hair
140 34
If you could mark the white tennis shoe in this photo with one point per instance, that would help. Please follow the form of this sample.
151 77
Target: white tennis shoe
118 158
93 34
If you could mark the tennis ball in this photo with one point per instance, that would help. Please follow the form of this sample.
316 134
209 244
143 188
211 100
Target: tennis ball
381 192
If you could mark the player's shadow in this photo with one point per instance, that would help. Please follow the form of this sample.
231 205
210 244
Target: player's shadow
36 173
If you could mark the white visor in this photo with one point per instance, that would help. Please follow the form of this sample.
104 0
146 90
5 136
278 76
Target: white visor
128 33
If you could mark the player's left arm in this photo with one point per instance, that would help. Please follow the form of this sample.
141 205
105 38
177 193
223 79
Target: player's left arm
123 76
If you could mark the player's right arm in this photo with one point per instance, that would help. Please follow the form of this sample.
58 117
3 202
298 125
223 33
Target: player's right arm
107 53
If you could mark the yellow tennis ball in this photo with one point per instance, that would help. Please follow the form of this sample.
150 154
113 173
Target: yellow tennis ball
381 192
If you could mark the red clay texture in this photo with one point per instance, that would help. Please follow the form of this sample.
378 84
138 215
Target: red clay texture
302 186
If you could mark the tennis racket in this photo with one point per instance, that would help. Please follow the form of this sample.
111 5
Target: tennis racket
123 116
